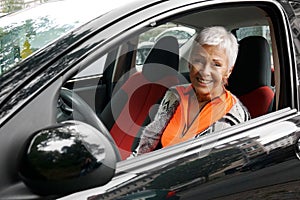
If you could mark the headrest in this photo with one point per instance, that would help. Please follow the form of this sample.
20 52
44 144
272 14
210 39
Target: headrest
162 60
253 66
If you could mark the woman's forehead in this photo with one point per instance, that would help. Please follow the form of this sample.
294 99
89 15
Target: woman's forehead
209 50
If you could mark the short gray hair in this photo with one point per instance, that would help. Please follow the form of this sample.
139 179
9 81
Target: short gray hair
219 36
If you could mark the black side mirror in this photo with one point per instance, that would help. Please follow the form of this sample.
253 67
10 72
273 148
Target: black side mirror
66 158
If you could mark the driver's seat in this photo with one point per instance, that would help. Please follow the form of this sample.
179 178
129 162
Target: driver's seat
129 108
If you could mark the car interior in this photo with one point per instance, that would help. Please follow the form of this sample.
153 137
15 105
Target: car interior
140 92
125 94
256 92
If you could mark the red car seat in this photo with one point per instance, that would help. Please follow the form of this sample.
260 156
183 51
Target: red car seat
250 80
129 108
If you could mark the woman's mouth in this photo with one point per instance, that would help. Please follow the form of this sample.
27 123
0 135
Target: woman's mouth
203 81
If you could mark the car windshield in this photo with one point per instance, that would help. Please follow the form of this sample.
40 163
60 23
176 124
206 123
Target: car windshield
26 31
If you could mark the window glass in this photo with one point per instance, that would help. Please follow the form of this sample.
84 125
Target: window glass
255 31
263 31
120 95
149 38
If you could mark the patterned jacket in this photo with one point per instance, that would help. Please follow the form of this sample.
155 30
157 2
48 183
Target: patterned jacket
152 133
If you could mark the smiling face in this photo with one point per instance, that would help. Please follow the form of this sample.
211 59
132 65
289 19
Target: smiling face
209 71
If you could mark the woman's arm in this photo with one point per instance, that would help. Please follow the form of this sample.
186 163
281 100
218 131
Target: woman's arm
152 133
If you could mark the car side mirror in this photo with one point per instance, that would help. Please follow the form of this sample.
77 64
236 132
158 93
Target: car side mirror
66 158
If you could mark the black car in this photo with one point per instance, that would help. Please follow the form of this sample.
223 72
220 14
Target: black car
72 112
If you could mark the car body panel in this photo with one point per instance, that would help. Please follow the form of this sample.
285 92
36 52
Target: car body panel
229 165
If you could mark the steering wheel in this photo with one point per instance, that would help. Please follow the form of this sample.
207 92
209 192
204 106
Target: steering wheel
74 105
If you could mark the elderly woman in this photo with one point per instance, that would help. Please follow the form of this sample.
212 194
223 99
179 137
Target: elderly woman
204 106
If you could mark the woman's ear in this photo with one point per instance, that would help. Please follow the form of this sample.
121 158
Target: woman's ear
229 72
226 76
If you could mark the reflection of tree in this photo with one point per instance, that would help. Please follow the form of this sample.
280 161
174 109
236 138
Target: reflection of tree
72 160
199 168
37 32
8 6
30 67
11 5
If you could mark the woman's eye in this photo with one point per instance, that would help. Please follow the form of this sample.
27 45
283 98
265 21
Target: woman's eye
217 65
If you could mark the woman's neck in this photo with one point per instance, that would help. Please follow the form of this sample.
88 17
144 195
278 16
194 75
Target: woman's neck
203 99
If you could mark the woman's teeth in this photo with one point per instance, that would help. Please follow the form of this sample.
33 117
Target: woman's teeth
203 81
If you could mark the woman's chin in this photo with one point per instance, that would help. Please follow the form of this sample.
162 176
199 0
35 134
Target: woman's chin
203 94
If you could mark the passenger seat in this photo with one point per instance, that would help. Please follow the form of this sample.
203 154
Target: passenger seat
250 80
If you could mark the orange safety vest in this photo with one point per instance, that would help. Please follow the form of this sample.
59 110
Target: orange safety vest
178 130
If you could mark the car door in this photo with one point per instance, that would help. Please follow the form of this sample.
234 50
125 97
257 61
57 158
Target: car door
220 165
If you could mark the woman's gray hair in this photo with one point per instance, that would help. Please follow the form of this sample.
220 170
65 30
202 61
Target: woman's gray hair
219 36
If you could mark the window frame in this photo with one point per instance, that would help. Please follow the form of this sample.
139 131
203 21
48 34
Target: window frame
162 18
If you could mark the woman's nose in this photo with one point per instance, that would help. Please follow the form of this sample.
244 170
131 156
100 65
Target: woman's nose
204 68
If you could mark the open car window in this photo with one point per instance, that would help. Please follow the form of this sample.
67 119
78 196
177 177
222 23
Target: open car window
118 85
